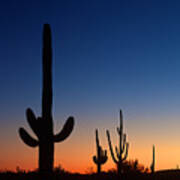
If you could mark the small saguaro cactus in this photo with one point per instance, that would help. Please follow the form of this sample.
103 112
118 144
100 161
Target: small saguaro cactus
43 126
122 151
153 160
101 156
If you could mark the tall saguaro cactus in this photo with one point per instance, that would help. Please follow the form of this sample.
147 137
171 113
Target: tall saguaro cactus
43 126
101 156
153 160
122 151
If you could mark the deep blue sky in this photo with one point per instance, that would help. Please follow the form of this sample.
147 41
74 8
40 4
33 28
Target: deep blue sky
106 55
101 48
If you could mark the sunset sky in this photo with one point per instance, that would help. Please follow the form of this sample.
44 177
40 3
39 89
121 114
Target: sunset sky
107 55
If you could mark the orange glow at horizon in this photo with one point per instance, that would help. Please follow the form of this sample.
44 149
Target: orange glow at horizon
75 154
85 165
80 158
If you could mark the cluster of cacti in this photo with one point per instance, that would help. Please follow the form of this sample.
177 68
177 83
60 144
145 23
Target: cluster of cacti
122 151
43 126
101 156
153 160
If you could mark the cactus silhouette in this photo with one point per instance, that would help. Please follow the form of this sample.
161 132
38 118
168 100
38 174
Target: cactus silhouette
43 126
153 161
101 156
122 151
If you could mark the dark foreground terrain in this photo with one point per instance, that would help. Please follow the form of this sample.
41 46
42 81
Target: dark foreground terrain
160 175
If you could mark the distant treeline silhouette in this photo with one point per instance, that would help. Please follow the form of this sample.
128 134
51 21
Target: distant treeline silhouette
60 175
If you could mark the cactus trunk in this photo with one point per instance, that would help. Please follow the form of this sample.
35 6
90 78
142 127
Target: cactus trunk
43 126
47 78
46 156
153 160
119 169
99 168
122 151
46 145
101 156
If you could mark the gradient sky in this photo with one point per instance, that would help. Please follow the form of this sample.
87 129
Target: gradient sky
107 55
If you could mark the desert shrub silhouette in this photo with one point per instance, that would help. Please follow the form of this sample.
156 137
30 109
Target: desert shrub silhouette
101 156
43 126
133 167
122 151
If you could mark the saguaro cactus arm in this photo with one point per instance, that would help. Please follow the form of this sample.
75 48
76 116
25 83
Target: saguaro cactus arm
102 159
33 122
110 147
97 139
126 152
101 156
27 139
117 152
124 143
105 152
95 160
66 130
